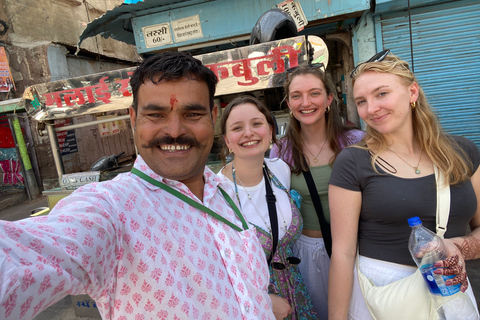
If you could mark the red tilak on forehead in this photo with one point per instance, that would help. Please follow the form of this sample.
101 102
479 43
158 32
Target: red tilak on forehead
173 100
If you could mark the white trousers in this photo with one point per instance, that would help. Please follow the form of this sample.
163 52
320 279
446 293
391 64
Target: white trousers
314 269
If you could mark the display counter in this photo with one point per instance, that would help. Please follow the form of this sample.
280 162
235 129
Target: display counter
55 195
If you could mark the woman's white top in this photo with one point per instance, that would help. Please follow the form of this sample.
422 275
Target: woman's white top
255 208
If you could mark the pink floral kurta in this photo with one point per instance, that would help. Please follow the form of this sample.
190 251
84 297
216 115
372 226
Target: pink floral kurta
139 252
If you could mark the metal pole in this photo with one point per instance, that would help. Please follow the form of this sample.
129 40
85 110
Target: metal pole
30 180
19 156
90 123
57 156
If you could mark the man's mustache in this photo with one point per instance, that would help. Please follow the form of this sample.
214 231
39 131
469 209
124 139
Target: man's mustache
182 140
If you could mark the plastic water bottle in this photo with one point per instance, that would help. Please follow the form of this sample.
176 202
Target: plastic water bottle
426 249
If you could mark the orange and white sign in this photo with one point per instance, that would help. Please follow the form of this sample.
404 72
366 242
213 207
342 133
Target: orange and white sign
6 80
110 128
104 129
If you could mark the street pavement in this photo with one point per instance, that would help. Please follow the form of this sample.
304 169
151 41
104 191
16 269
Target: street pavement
63 310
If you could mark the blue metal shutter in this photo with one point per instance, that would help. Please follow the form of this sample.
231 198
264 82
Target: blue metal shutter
446 47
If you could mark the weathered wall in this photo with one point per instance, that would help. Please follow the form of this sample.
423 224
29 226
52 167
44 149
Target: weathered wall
62 21
28 66
39 42
35 25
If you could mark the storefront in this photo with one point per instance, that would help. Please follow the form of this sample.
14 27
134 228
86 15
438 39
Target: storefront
353 31
259 69
202 27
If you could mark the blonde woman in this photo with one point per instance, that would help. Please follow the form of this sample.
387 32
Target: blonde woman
376 187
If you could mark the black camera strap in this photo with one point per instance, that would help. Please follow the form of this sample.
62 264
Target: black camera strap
272 211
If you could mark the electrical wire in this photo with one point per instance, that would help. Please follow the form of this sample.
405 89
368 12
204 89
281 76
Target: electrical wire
411 40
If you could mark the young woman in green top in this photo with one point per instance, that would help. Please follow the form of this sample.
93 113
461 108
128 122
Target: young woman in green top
315 136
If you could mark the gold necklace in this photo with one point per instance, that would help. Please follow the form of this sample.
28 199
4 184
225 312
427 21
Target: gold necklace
417 171
315 157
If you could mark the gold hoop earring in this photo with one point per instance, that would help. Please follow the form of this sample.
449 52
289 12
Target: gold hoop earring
271 145
327 110
291 114
230 151
413 104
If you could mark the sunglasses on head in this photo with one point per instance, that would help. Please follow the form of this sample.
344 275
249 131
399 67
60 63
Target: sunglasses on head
310 66
376 58
293 261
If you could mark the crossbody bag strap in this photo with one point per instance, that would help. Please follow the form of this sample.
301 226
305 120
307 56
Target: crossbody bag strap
443 202
293 196
324 225
272 212
195 204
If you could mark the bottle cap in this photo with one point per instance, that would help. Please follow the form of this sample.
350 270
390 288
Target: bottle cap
415 221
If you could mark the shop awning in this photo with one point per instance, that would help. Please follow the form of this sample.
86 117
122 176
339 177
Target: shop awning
154 25
117 23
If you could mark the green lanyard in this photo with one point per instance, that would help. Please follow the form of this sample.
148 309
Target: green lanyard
194 203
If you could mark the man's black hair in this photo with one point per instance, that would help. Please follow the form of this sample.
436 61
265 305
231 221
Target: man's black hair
171 66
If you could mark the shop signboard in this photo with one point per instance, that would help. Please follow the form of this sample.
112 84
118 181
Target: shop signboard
294 9
238 70
67 140
72 181
187 28
157 35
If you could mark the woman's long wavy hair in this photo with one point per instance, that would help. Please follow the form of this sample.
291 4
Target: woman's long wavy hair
442 150
335 126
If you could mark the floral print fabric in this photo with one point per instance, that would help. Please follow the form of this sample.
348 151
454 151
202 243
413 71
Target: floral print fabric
139 252
288 283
